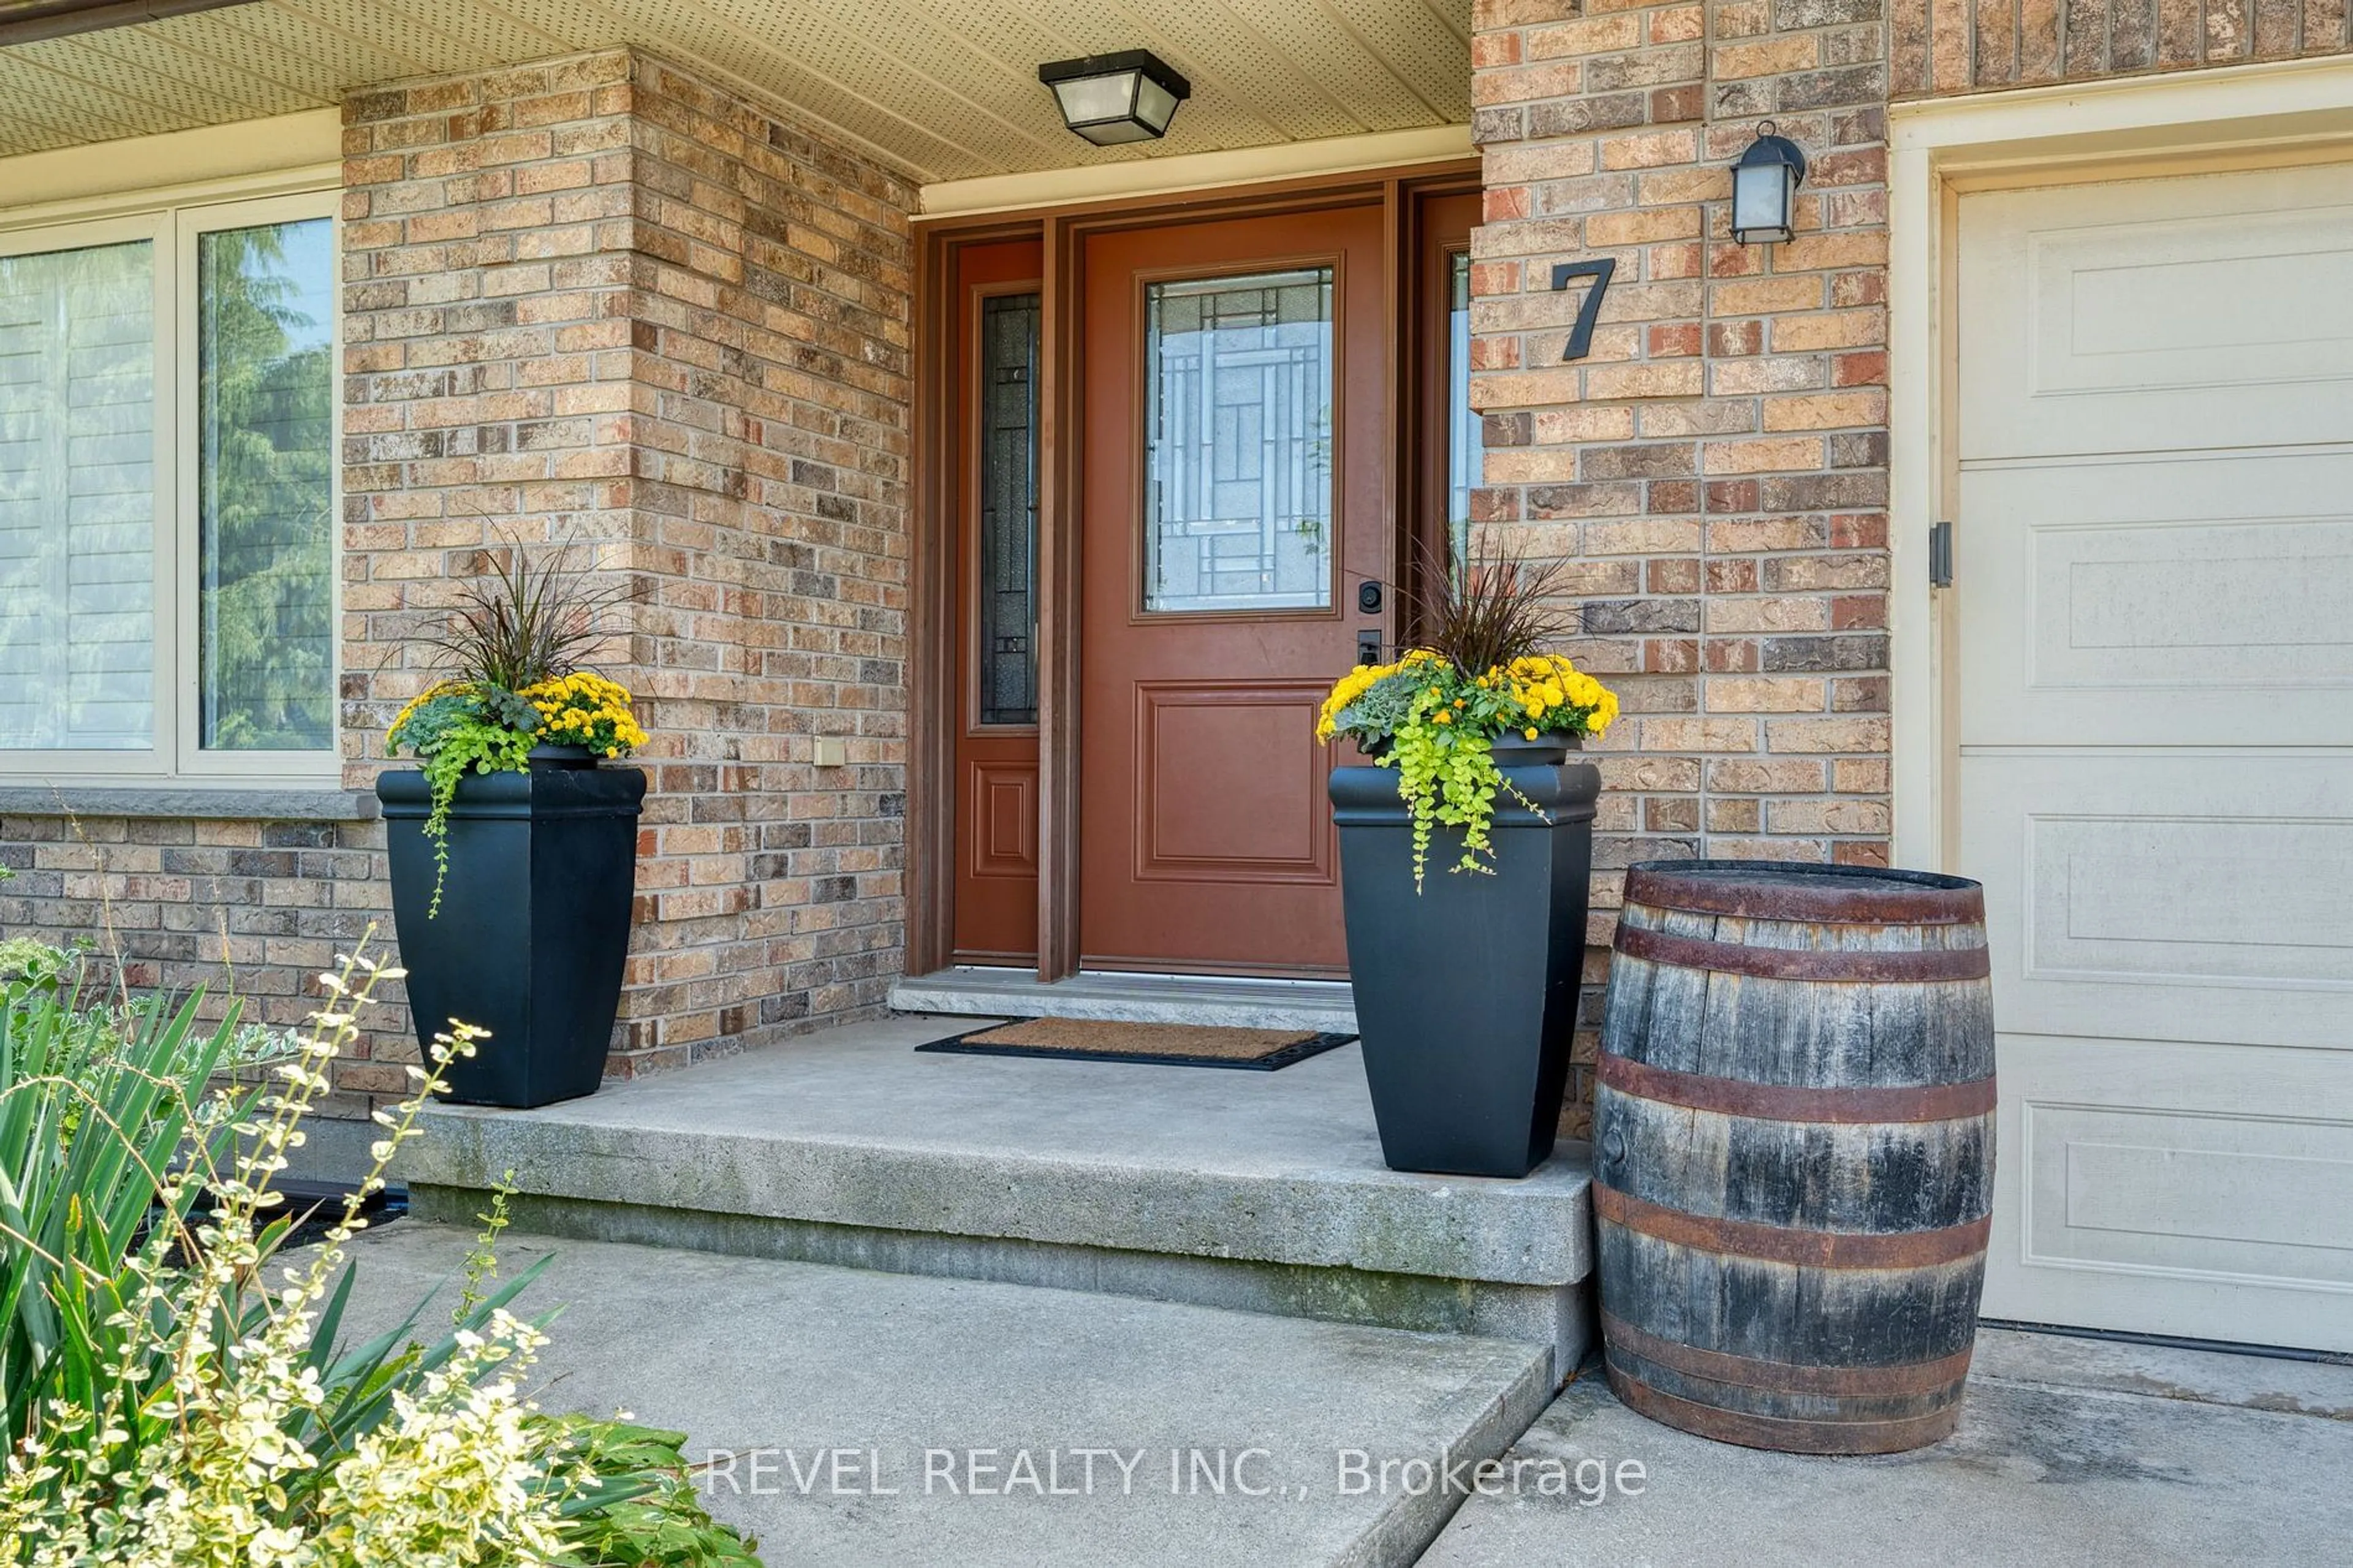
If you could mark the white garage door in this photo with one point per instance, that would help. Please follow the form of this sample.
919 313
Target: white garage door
2155 601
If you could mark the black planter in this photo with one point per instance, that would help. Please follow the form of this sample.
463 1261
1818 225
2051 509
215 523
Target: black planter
1466 993
534 921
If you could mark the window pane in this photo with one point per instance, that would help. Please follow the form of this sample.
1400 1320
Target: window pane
264 401
1466 433
1008 510
78 498
1238 443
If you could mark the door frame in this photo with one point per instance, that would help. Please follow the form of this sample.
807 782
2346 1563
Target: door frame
2208 121
934 696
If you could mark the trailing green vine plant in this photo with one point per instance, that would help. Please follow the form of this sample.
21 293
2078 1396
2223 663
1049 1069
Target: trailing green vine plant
1435 712
456 730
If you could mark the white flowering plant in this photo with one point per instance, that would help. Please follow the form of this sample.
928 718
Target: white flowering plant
168 1407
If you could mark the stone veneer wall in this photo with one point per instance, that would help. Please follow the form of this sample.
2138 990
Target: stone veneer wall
1715 472
598 300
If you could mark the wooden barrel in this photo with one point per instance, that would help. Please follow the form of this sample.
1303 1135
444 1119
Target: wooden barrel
1793 1151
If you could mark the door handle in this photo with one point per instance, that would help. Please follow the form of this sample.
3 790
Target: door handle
1368 646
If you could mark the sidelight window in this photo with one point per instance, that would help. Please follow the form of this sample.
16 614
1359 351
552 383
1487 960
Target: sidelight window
1008 510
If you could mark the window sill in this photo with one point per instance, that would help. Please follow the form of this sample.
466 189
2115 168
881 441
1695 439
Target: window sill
317 803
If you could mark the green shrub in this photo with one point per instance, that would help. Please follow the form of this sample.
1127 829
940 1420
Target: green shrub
176 1394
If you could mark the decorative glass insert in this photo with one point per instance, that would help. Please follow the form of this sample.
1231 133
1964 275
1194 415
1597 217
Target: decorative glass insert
1008 510
1238 443
78 498
1466 433
265 404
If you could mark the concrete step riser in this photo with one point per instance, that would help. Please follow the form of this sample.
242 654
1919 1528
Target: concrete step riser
1560 1318
1247 1191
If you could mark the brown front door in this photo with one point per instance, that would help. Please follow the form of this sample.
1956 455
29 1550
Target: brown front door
1236 425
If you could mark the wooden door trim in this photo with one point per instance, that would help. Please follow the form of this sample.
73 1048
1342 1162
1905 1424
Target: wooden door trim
934 697
1303 193
936 703
1058 599
1420 319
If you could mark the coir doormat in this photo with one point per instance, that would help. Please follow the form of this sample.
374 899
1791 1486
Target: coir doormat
1173 1044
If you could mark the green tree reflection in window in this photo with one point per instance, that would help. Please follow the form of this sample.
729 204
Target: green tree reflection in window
265 414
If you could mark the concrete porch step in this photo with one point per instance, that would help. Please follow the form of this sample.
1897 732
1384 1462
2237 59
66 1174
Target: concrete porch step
1231 1002
864 1420
1257 1192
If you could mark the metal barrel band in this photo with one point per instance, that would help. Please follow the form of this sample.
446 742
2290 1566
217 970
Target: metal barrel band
1783 1244
1841 900
1789 1102
1918 966
1779 1433
1918 1377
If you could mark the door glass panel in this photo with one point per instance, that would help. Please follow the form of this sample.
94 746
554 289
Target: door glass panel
1238 443
1466 435
78 498
1008 510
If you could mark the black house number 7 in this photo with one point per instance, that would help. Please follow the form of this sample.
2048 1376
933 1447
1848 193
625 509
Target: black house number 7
1580 336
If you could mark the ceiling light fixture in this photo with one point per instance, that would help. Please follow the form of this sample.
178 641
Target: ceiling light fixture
1130 96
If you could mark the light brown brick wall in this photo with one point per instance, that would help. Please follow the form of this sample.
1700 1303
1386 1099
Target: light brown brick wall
1938 46
1714 472
598 299
253 909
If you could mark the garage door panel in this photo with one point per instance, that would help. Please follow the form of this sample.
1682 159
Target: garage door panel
2167 897
2163 1188
2154 605
2101 321
2121 599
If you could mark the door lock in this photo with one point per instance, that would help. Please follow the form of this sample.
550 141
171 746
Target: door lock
1368 646
1369 598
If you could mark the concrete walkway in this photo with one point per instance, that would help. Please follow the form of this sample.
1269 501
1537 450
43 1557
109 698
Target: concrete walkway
868 1418
905 1422
2071 1452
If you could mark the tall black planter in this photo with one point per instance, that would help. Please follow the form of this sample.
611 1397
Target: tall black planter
534 921
1466 993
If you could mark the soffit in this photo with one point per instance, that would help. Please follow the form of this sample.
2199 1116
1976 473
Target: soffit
945 93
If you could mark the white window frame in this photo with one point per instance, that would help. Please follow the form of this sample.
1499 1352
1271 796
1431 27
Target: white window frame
171 222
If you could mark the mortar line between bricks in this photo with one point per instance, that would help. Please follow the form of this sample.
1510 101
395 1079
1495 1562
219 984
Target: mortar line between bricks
1699 449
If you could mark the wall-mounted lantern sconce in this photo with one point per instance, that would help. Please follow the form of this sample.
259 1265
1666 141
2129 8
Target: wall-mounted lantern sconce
1130 96
1765 189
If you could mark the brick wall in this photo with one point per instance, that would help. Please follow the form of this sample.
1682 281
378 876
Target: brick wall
600 299
773 290
1938 46
256 909
1715 471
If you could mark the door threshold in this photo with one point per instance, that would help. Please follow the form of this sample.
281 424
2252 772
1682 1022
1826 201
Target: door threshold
1246 1002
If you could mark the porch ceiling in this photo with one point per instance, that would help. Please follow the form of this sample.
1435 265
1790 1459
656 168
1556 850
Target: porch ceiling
943 91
